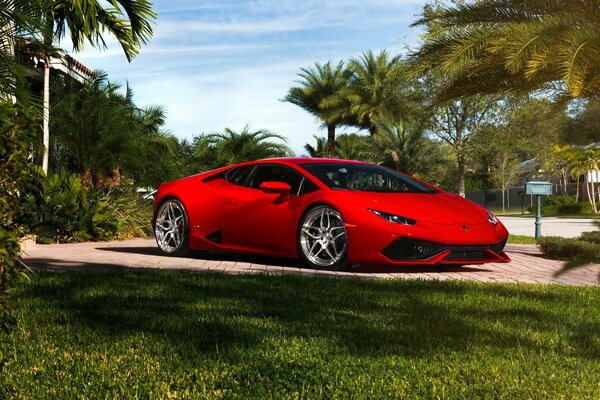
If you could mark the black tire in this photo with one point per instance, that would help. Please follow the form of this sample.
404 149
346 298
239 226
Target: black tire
171 228
331 251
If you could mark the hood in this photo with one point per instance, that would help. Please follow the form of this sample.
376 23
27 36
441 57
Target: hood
440 208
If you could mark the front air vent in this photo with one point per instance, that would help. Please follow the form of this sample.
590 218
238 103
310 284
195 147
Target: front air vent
405 248
215 237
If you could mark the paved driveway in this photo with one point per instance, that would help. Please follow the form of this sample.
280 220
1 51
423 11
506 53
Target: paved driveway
527 265
551 226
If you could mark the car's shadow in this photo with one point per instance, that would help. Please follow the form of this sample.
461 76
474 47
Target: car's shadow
294 263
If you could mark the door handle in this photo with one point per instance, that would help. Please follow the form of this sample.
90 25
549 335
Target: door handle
227 201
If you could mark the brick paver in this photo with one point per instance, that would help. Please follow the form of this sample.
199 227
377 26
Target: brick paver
527 264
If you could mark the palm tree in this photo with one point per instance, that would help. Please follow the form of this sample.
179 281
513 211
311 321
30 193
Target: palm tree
316 85
496 46
376 90
400 146
351 146
319 150
101 134
234 147
17 18
86 21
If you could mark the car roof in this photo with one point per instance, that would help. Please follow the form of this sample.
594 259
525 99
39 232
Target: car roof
308 160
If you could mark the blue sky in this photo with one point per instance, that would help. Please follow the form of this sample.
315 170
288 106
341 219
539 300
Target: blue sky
216 64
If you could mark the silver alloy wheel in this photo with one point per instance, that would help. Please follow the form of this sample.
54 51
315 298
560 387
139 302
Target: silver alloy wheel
169 227
323 238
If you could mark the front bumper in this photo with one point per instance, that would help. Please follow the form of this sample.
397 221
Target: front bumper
380 242
409 249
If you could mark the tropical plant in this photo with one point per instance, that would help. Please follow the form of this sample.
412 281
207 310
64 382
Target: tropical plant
66 211
401 146
377 89
316 85
320 149
17 131
351 146
101 134
498 46
230 147
86 21
17 18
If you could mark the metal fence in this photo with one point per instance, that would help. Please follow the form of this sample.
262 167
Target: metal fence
515 200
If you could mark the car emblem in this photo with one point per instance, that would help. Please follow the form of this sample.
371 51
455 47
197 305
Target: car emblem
466 228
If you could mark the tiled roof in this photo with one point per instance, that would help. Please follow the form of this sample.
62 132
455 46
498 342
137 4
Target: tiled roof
74 63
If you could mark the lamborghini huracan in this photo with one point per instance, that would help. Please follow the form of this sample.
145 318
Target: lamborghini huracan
330 213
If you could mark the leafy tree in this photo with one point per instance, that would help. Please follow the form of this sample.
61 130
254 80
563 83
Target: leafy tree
231 147
583 128
525 129
499 46
455 122
86 21
316 85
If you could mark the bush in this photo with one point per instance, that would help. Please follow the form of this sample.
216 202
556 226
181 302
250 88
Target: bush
591 237
563 205
570 248
17 132
67 212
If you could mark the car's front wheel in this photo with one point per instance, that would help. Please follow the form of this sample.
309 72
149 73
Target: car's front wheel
171 228
322 239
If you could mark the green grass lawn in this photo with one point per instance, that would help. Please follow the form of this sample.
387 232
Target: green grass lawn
521 239
164 334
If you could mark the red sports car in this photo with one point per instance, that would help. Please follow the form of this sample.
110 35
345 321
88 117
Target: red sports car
331 213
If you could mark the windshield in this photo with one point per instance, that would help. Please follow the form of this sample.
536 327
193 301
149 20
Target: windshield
365 177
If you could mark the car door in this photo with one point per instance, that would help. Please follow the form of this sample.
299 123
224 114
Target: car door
266 221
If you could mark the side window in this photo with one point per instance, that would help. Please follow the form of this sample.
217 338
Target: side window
308 187
266 173
239 175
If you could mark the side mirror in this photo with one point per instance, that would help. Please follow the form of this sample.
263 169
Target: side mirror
274 187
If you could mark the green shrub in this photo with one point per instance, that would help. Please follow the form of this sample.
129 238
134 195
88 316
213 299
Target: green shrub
17 132
591 237
133 213
67 212
563 205
568 248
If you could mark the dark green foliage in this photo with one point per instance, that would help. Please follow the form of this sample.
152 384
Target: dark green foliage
164 334
230 147
66 212
17 131
569 248
562 205
499 46
100 133
591 237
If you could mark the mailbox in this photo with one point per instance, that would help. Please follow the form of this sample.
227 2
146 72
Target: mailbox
539 188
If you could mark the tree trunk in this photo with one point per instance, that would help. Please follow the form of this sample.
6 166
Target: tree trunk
577 194
331 141
46 113
594 198
461 175
589 188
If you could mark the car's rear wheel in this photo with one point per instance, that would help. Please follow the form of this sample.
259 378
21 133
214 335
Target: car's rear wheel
322 239
171 228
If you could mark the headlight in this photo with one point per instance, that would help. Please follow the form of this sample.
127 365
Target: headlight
397 219
492 218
